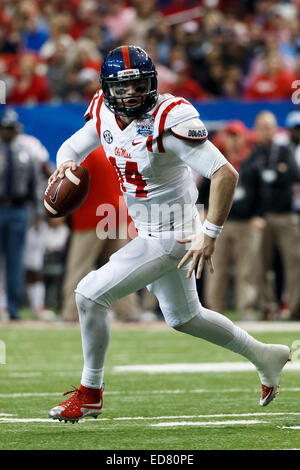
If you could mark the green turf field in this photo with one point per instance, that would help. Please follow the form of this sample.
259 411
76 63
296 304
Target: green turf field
153 411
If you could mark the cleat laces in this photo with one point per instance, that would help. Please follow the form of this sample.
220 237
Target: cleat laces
76 395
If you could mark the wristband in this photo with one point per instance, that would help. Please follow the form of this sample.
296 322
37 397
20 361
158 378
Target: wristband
210 229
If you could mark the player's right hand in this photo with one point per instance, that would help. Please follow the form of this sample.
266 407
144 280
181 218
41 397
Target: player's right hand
60 172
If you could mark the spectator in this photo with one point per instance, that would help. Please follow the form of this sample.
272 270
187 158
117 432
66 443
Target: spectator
213 72
75 76
163 37
59 31
30 86
34 30
57 70
166 78
232 86
277 171
57 239
82 74
147 18
238 245
37 232
41 158
18 184
120 19
8 45
274 83
184 85
5 76
84 18
101 36
36 239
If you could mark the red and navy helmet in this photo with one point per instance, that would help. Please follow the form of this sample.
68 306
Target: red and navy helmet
123 64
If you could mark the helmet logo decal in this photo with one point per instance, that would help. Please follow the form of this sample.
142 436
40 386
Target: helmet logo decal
128 72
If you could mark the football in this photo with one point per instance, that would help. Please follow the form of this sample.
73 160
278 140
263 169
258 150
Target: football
67 194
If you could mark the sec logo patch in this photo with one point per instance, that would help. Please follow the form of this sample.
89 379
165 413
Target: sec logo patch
108 136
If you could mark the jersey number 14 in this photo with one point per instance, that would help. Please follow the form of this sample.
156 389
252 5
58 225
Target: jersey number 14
132 176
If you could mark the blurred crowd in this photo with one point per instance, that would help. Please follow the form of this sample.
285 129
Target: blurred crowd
51 52
205 49
257 257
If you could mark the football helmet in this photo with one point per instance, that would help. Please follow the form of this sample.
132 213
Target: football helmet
124 66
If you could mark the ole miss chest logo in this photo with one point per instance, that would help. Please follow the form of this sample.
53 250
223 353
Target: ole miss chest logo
121 152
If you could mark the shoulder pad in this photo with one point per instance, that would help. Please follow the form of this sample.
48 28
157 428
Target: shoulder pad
193 130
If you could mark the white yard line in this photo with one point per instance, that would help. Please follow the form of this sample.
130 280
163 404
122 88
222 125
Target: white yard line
221 415
208 423
26 420
28 395
290 427
148 392
201 367
9 419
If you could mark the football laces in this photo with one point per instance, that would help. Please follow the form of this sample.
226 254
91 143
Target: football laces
48 187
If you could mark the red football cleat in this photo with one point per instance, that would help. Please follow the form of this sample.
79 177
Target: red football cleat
84 402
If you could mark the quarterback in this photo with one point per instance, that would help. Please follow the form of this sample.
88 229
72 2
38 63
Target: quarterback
154 142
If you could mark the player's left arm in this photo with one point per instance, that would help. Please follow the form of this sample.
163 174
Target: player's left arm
203 157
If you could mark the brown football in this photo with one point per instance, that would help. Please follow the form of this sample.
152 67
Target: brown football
66 194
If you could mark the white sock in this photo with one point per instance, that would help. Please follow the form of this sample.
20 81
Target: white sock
95 336
92 378
218 329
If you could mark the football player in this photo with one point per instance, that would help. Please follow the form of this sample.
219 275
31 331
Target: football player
154 141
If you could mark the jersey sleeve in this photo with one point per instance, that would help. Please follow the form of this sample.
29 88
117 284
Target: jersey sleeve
204 158
79 145
93 109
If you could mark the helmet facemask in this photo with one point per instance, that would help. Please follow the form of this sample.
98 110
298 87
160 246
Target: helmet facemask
130 97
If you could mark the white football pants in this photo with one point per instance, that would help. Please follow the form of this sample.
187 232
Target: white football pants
150 262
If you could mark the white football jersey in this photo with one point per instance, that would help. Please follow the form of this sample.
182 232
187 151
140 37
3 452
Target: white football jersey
152 159
34 146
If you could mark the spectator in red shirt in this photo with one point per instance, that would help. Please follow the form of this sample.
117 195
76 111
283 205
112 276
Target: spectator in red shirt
234 141
186 86
274 83
30 87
